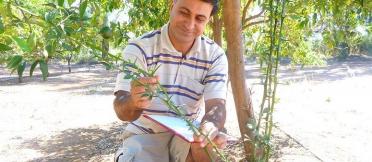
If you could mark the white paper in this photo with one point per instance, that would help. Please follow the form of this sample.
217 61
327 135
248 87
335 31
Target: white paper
176 125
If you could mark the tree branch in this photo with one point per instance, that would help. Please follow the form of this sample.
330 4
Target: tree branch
245 9
254 23
252 17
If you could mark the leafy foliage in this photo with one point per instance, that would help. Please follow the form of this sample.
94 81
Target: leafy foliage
315 30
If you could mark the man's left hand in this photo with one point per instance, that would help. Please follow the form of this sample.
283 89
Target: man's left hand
211 131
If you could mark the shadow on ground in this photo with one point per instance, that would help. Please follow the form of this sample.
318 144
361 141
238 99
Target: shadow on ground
333 71
80 144
81 81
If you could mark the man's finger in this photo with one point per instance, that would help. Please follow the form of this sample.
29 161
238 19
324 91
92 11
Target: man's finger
137 90
220 140
144 80
210 130
153 87
148 80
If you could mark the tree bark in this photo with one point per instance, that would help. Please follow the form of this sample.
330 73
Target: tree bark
105 49
217 29
69 63
242 95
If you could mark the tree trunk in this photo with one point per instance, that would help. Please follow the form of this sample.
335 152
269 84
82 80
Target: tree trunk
242 95
217 29
105 50
69 63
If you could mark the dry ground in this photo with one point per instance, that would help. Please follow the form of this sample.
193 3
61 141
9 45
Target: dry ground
323 114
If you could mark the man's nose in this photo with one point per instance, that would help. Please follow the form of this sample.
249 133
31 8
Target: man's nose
190 24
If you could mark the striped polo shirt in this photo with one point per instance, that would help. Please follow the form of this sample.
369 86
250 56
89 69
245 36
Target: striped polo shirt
191 79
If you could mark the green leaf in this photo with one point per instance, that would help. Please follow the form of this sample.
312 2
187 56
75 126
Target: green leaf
67 47
68 30
50 5
60 3
21 69
31 41
107 65
44 69
50 48
82 8
71 1
14 61
314 18
128 76
22 44
33 66
1 26
4 47
52 34
50 16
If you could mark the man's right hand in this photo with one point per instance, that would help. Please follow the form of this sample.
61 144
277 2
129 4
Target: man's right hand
129 105
138 90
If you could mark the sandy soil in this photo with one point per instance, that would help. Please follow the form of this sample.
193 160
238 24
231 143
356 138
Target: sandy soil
323 114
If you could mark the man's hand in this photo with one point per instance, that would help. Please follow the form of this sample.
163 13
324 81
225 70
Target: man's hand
138 89
128 106
197 148
217 137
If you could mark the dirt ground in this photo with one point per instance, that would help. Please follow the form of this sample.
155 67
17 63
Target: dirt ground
323 114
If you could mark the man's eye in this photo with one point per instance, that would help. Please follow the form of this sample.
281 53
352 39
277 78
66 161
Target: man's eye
183 13
200 20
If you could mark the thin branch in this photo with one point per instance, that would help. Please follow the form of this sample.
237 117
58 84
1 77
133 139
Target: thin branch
63 21
254 23
245 9
253 17
27 11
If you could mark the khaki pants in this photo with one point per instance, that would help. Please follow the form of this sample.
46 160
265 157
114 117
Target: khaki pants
160 147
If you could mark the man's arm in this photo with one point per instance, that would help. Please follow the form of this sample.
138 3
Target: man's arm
215 112
124 108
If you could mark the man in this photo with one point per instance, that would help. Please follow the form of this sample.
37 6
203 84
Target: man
193 69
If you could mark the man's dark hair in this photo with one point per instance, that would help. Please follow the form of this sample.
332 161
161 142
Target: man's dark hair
215 5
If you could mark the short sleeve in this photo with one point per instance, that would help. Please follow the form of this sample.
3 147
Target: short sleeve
134 53
216 79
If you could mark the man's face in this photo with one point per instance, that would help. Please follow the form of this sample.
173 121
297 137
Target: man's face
188 19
